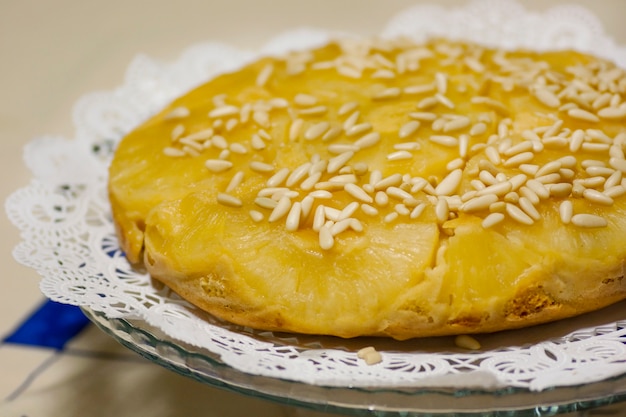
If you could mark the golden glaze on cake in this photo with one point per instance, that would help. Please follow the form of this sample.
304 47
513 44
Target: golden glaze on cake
385 188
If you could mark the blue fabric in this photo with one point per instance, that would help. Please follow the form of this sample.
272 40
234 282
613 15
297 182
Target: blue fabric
52 325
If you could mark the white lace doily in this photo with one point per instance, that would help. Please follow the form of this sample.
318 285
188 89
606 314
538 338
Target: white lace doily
68 236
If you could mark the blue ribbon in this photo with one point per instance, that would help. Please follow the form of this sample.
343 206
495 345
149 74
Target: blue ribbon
51 325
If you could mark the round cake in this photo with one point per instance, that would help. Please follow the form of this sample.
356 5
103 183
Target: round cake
385 188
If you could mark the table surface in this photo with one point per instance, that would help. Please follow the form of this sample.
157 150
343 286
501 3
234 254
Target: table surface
55 52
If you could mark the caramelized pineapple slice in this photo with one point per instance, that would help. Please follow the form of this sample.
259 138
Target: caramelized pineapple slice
262 275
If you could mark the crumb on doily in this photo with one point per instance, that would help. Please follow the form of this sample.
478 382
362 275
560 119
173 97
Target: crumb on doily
466 342
370 355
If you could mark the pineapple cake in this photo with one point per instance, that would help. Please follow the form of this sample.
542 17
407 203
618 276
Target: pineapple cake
385 188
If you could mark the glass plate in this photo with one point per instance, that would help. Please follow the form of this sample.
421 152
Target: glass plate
204 366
